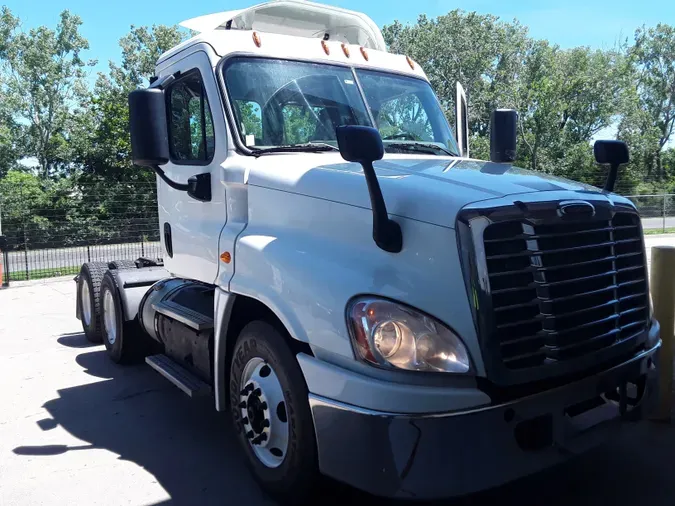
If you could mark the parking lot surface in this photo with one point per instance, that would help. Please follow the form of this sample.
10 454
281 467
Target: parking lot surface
76 429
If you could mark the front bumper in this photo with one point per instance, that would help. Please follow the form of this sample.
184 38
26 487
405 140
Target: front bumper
452 454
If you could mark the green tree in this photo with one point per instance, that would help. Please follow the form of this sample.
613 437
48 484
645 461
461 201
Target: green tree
650 120
482 52
107 150
44 85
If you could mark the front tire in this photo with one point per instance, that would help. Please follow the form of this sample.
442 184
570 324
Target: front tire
270 411
88 299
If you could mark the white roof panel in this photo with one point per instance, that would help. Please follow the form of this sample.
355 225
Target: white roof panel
296 17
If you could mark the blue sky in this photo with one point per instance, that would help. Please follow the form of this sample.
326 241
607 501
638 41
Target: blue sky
596 23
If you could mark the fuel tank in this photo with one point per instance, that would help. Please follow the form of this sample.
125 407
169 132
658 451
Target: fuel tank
178 313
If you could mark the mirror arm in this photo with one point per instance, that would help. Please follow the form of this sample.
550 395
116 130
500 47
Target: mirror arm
386 232
172 184
611 177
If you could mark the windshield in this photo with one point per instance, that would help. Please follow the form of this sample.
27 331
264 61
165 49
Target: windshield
282 104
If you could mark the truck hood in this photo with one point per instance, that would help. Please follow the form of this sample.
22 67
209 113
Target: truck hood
424 188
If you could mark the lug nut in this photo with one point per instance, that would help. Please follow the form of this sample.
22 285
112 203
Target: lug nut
265 423
263 405
262 437
249 387
242 404
244 420
257 392
250 434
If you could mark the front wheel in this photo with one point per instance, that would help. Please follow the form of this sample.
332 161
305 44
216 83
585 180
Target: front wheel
270 411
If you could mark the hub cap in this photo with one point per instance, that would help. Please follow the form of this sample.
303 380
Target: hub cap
109 317
85 303
263 412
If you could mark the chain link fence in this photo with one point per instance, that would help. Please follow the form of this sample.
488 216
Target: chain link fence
657 212
51 231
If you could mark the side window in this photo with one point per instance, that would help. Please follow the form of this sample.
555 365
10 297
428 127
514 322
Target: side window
191 136
250 121
405 118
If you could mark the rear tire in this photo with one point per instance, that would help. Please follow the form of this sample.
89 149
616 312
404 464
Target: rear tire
123 340
262 360
88 299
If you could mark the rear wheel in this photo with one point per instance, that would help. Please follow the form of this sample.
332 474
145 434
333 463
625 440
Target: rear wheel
270 411
123 339
88 299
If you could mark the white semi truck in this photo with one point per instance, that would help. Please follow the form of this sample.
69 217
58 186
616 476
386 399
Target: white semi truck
367 301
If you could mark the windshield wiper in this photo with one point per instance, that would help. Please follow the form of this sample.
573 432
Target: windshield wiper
419 147
306 147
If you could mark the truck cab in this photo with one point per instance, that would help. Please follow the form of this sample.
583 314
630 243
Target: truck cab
366 300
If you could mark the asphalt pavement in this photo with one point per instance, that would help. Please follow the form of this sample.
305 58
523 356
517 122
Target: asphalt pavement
76 429
656 223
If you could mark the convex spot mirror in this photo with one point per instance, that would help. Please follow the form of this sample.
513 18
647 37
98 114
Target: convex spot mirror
611 152
359 143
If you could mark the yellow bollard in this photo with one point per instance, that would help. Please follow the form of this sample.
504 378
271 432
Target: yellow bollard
662 283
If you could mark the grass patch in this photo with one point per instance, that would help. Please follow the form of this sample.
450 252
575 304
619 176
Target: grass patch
656 231
42 273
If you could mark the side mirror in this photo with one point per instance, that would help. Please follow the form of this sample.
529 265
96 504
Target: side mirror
503 134
364 145
148 126
359 143
612 153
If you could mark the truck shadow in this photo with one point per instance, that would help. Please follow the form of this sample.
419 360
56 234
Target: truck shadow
191 451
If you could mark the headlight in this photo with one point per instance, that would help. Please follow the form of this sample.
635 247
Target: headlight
392 335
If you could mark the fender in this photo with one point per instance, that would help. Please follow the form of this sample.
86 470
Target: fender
305 258
222 310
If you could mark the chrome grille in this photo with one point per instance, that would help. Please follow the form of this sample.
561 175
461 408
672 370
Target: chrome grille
563 290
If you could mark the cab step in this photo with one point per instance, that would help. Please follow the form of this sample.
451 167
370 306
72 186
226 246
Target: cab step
178 375
185 315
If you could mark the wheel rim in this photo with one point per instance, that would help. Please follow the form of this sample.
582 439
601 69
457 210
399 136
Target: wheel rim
85 303
109 317
263 412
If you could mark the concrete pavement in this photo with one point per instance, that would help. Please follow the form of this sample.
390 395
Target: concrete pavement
76 429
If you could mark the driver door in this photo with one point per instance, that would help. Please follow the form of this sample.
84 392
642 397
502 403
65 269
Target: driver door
190 228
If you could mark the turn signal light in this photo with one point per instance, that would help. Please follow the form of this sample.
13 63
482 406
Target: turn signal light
364 53
410 62
256 39
325 47
345 50
226 257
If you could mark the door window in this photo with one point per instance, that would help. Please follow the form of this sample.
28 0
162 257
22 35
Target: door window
191 136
